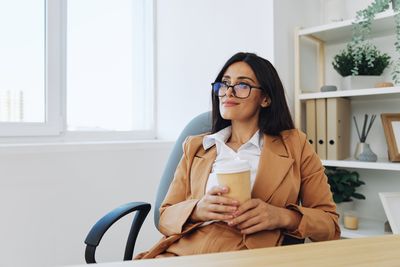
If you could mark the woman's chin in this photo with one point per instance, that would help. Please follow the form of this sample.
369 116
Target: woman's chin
227 116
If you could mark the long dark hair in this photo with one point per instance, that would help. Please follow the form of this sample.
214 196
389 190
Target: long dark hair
272 119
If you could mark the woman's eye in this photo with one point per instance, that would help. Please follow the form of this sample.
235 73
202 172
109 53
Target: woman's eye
243 86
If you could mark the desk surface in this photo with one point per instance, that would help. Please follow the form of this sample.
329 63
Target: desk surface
379 251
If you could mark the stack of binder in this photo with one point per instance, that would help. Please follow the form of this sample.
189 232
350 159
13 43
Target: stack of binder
328 127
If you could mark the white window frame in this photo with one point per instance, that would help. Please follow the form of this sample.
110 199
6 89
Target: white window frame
53 57
55 126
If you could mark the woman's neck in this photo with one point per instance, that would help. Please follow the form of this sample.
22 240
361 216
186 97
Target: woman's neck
242 131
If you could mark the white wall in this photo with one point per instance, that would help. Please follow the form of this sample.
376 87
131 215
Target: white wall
334 10
194 39
51 196
289 15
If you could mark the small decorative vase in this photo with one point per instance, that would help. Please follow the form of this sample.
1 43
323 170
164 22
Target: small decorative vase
364 153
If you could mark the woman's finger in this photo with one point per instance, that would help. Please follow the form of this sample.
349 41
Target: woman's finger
243 217
215 190
219 216
222 200
246 206
221 208
250 222
253 229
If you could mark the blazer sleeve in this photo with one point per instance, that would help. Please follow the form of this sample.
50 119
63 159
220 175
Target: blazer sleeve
177 205
319 220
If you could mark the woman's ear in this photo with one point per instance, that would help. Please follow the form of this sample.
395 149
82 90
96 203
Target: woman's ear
266 102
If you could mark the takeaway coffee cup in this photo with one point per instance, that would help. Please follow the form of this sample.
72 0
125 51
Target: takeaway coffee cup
236 176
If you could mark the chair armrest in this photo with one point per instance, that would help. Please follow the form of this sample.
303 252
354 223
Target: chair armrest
100 228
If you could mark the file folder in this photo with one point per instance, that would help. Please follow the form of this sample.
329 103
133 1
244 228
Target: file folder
338 128
311 129
321 128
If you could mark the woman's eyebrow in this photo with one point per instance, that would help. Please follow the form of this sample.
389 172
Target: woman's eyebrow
239 78
244 77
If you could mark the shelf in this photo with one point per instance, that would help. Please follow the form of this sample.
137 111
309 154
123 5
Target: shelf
381 164
339 32
369 93
366 228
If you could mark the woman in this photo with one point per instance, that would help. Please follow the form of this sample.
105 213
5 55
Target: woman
251 121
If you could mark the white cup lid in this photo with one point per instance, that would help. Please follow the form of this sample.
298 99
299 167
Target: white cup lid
233 166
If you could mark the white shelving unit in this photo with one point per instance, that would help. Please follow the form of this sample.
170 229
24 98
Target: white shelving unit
369 93
381 164
366 228
335 34
340 32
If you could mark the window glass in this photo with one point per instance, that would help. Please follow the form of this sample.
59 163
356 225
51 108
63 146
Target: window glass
105 65
22 61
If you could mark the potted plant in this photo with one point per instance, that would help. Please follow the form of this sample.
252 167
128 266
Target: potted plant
362 29
368 62
343 185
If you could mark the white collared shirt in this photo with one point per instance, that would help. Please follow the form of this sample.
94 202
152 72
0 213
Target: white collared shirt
249 151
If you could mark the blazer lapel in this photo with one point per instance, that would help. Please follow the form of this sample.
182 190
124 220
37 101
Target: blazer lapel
202 163
272 168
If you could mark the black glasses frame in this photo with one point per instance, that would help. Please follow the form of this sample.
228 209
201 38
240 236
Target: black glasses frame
233 89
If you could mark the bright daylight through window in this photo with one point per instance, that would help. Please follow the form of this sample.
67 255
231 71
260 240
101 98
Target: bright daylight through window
106 66
22 61
88 70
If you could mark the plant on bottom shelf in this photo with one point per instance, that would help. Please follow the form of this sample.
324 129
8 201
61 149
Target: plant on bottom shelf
343 184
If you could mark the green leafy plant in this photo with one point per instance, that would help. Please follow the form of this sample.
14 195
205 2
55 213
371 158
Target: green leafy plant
362 29
370 60
343 184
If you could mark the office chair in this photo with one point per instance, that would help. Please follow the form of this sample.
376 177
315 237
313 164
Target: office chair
198 125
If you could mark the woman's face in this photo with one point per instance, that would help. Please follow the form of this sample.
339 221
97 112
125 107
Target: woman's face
233 108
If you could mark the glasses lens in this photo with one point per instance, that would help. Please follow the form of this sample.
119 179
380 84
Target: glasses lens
219 88
242 90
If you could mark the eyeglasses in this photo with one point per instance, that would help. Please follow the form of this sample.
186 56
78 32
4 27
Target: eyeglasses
239 90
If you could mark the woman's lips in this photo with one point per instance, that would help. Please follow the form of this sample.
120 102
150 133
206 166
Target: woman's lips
230 103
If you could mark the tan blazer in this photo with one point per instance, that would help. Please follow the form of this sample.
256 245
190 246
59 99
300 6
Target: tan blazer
289 173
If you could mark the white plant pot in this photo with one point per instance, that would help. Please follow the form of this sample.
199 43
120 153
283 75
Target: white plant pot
342 207
360 82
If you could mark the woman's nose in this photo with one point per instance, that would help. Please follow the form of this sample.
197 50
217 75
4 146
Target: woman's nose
229 92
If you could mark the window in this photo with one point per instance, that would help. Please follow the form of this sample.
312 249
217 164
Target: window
24 60
22 55
88 72
105 66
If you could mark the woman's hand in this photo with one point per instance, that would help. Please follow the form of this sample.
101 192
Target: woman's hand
213 206
256 215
